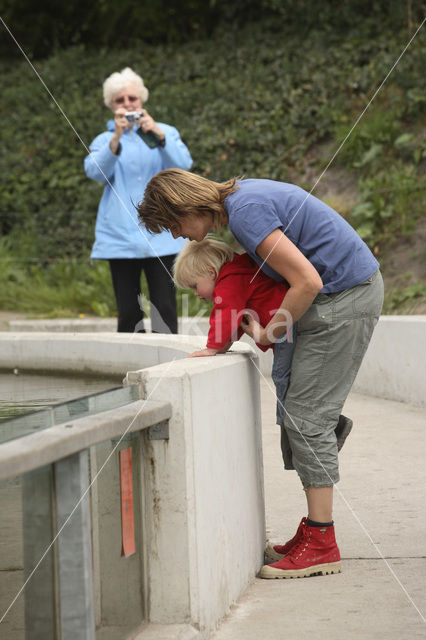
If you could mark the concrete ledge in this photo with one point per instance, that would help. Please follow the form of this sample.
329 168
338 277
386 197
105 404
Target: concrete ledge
187 326
65 325
394 366
86 353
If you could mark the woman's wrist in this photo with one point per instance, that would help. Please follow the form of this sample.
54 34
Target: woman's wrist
114 144
161 136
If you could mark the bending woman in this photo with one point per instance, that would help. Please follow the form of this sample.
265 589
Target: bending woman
335 295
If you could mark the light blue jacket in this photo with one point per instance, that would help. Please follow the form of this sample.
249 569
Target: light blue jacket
118 233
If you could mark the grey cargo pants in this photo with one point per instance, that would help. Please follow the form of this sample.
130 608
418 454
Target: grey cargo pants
332 338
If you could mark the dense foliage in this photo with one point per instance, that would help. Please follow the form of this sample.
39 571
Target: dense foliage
257 101
47 26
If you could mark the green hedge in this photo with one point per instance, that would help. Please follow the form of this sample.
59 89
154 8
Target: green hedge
253 102
259 100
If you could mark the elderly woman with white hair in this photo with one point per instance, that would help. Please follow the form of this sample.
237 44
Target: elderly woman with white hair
125 157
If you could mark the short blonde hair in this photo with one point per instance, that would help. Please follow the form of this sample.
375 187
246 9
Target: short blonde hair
120 80
173 194
195 259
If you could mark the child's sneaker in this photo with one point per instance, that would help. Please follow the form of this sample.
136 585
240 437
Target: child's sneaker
342 430
315 552
277 551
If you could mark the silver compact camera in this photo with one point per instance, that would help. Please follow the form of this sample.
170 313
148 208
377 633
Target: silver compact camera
133 116
149 137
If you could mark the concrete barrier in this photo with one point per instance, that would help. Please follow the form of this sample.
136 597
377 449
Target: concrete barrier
393 368
187 326
202 502
197 520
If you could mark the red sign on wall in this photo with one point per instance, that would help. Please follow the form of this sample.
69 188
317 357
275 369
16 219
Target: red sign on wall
127 517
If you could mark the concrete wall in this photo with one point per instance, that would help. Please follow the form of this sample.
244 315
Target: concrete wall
188 326
393 368
202 503
84 353
204 532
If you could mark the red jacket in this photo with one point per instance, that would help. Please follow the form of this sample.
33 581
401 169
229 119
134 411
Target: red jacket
235 294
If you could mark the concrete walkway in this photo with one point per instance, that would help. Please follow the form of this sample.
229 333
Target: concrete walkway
7 316
380 517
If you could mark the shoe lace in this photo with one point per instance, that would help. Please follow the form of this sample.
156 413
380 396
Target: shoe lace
300 545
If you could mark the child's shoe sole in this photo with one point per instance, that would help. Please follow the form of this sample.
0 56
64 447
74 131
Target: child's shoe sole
319 569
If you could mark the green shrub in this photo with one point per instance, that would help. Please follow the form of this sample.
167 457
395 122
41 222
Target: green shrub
399 300
70 285
255 100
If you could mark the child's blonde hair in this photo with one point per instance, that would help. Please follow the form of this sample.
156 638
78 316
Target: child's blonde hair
196 257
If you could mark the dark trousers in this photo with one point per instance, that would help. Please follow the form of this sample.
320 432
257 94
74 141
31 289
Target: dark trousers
126 278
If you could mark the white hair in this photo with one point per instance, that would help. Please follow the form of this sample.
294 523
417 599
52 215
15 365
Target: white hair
120 80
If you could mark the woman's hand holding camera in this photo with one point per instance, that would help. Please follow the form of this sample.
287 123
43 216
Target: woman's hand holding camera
147 123
121 125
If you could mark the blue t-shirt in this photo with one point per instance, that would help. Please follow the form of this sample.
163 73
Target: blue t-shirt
330 244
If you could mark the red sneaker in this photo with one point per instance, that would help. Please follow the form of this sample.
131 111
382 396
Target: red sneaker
279 550
315 552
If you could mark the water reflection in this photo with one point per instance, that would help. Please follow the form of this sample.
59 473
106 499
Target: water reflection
24 392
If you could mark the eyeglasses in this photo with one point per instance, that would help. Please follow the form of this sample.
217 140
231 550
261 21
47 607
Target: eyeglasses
121 99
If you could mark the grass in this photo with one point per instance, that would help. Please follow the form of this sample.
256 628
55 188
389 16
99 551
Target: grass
67 288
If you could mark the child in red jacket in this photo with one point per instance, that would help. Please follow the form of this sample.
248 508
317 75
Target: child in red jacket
236 286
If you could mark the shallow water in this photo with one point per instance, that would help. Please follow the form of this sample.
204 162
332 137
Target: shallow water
24 392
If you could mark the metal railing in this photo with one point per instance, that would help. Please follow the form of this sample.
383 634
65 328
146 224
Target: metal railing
50 457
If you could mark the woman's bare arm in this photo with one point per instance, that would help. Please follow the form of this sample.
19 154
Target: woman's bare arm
303 279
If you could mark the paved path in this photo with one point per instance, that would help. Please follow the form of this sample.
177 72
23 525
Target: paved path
380 510
6 316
